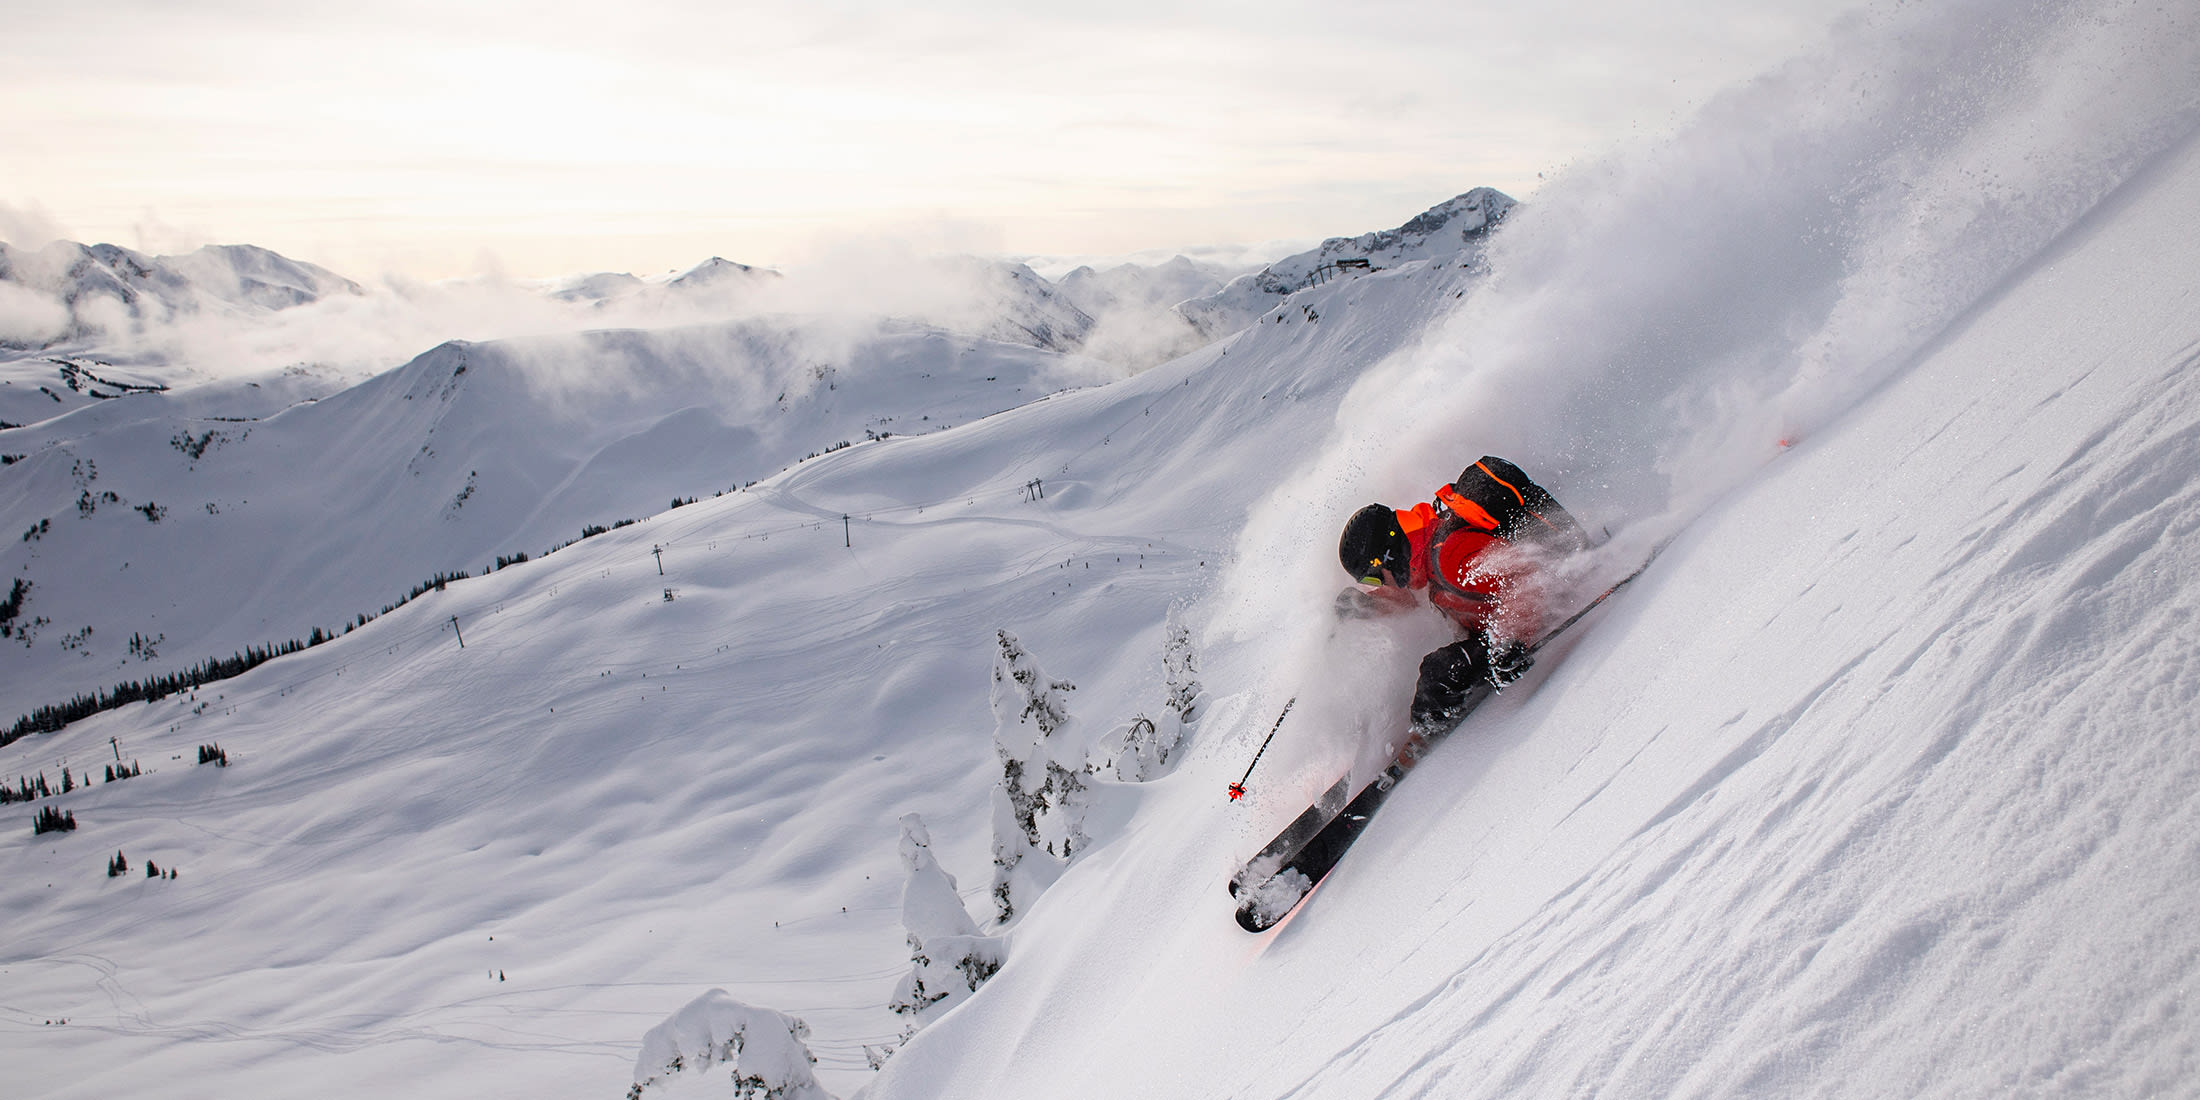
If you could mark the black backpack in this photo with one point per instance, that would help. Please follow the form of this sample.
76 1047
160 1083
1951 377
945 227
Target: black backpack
1496 496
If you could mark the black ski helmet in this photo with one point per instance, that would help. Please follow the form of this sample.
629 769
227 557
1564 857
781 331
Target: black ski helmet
1372 542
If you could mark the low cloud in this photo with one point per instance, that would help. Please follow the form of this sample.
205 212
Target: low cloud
195 331
27 227
30 318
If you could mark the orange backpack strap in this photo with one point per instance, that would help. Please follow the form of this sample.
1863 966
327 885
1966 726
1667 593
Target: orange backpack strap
1470 513
1484 466
1516 506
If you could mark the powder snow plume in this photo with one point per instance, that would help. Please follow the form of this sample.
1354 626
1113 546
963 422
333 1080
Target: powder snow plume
1657 324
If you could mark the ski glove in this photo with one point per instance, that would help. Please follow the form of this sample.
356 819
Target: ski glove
1509 664
1355 603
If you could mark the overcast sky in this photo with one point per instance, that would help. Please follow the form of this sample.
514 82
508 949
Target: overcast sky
433 138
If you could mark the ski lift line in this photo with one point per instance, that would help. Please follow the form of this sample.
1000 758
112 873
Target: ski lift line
824 523
819 524
987 492
441 625
1145 409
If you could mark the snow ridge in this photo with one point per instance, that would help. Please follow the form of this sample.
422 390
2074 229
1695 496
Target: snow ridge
88 290
1454 226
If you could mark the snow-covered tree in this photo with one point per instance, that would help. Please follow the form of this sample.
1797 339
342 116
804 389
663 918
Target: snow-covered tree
1039 808
763 1050
950 958
1143 749
1180 674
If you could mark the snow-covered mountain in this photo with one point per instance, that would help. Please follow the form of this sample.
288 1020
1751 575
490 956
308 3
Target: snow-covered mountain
231 515
813 678
68 291
1452 231
993 299
720 273
716 276
1879 783
1004 301
1135 307
1141 286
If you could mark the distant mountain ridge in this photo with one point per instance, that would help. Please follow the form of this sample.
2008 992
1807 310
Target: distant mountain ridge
98 285
1459 224
69 296
467 453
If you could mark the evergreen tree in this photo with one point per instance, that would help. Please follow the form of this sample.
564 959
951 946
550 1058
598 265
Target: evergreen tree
1039 808
50 820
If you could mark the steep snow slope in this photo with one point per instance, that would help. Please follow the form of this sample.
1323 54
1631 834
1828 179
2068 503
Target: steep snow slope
448 870
1881 782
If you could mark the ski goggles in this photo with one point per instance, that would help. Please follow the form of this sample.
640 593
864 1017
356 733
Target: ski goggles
1392 560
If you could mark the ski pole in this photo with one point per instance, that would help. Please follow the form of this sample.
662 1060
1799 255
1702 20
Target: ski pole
1237 789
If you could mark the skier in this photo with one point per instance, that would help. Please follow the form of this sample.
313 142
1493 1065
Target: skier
1480 550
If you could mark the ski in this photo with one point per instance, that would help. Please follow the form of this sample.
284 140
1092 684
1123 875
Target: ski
1302 829
1276 879
1273 883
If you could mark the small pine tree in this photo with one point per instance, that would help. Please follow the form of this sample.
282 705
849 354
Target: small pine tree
118 866
152 869
50 820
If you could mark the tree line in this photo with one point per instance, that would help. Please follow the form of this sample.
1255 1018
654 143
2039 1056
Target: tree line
48 719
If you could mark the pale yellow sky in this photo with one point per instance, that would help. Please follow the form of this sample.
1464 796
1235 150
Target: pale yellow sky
433 139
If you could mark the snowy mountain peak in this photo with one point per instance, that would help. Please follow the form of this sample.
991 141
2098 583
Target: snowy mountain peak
1459 224
718 271
1450 225
68 291
1007 301
247 274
